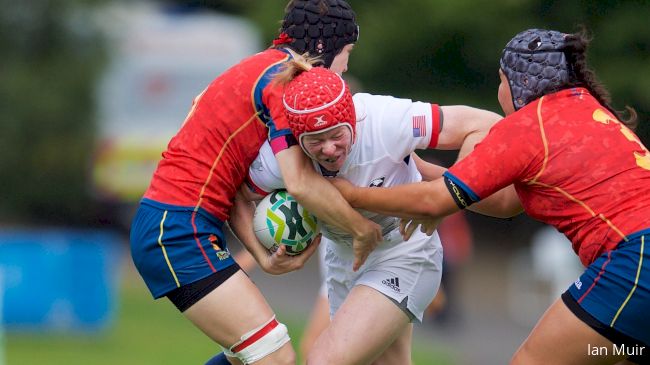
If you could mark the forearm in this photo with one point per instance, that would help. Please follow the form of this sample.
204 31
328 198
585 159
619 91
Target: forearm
424 200
276 263
241 223
328 204
315 193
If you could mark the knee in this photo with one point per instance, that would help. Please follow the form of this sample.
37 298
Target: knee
269 344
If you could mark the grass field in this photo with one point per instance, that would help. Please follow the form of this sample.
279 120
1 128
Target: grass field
146 332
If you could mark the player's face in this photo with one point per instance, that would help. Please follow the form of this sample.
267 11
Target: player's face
340 63
505 95
330 148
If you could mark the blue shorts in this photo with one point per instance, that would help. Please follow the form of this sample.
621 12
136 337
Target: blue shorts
172 246
615 290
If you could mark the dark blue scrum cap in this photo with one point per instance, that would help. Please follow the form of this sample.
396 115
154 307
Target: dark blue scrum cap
320 27
535 64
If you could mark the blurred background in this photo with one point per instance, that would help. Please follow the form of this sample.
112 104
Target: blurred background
92 90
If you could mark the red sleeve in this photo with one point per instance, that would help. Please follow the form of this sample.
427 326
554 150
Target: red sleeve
280 135
511 152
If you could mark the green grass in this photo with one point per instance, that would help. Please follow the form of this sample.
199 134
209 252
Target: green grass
146 332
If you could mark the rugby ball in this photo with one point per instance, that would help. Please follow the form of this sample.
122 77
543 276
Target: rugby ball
280 220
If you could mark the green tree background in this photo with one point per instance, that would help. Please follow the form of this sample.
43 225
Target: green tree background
48 67
433 50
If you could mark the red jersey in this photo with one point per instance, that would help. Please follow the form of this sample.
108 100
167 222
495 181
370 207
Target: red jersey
207 160
574 166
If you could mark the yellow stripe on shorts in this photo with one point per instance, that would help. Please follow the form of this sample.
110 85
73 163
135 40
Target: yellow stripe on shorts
171 269
636 281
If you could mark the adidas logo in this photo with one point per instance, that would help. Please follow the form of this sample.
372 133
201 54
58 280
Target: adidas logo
392 283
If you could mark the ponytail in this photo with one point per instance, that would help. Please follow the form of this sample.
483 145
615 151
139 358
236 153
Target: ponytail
294 67
582 75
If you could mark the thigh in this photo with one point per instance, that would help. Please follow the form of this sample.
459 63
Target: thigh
236 310
230 310
562 338
366 324
399 352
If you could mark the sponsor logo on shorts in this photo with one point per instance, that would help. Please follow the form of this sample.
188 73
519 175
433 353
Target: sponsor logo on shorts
222 255
392 283
578 284
214 240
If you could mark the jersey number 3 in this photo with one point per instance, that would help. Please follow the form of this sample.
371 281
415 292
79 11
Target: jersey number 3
642 158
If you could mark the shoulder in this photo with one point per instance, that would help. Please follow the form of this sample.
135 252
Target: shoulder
271 54
369 106
378 100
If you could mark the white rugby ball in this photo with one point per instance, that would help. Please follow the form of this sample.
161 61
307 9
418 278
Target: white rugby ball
280 220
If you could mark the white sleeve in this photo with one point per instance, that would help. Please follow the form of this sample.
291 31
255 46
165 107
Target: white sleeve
264 174
402 124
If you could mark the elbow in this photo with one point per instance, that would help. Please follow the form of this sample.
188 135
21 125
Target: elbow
497 209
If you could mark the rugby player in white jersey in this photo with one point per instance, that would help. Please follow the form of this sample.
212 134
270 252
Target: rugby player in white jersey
368 140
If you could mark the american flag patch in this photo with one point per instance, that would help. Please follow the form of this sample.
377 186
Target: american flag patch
419 126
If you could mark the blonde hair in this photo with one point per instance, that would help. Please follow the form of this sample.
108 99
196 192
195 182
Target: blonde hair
294 67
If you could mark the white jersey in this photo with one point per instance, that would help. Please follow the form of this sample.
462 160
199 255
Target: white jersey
388 130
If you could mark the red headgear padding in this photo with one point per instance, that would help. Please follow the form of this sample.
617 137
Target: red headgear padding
318 100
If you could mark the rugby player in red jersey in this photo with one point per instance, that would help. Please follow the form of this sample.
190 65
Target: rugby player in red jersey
575 164
177 239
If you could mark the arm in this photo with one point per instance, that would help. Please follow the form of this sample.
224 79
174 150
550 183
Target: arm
502 204
423 203
241 222
316 194
463 128
423 200
428 170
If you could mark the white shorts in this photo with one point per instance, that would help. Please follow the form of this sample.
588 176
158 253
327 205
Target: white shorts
406 272
322 268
